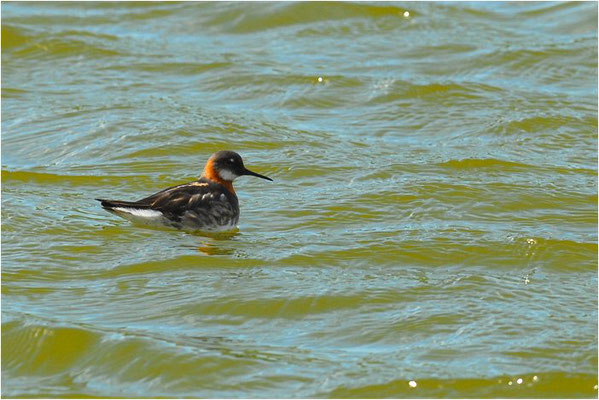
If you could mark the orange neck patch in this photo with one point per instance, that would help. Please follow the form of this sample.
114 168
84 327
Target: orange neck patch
210 173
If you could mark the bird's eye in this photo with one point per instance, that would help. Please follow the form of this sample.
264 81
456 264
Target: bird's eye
231 161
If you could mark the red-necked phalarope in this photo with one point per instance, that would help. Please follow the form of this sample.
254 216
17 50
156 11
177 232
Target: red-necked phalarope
208 204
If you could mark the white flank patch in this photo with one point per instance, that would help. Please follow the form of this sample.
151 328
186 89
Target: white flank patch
227 175
143 216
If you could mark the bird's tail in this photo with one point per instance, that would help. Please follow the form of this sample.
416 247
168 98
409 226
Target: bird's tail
108 204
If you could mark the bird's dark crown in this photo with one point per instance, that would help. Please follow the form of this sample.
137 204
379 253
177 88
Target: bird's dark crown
228 160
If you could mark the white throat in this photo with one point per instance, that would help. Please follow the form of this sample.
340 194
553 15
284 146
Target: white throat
227 175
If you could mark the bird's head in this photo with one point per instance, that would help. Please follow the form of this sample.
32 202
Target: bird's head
227 166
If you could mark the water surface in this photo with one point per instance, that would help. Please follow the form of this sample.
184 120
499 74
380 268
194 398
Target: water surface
431 231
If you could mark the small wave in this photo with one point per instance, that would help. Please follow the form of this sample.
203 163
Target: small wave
277 15
13 37
19 42
542 384
471 163
46 178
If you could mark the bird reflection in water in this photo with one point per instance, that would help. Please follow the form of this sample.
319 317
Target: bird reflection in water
218 245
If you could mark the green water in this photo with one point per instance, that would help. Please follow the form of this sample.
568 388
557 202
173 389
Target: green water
431 231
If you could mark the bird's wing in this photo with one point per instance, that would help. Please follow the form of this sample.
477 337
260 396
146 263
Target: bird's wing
175 201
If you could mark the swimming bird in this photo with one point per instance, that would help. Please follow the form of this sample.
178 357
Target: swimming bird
207 204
